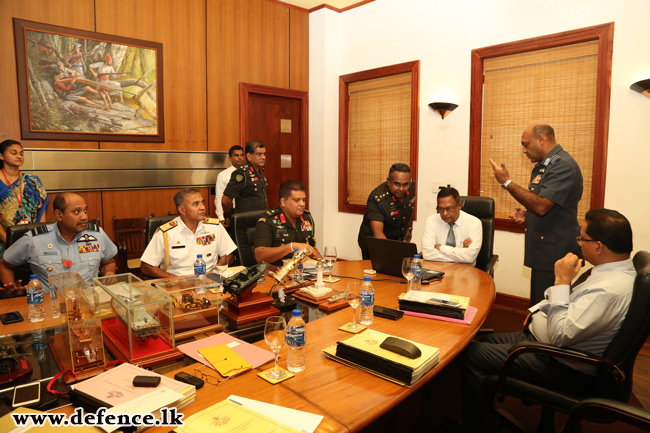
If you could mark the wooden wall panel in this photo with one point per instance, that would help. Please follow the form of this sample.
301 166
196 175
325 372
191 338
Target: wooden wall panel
93 200
181 28
141 203
299 49
78 14
248 41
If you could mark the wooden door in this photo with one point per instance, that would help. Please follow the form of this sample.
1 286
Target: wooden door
278 118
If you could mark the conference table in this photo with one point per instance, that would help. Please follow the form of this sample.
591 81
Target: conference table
350 399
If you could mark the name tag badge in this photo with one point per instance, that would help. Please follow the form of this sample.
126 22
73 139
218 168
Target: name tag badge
175 247
50 253
282 231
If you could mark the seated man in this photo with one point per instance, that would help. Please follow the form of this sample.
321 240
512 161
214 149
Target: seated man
174 246
585 318
279 229
452 235
70 244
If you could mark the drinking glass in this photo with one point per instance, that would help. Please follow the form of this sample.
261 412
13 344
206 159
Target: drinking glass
353 298
219 270
407 271
330 259
275 337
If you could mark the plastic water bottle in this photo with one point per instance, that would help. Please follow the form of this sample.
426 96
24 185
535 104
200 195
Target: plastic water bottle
296 342
35 300
416 268
199 272
367 295
54 299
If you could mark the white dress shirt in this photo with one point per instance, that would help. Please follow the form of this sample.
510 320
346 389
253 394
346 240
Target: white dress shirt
466 227
185 245
589 317
222 180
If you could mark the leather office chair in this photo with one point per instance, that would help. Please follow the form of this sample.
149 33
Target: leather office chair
618 411
244 227
483 209
14 233
153 223
615 367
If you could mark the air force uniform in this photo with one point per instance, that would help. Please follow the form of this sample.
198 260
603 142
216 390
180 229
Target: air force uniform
174 247
48 253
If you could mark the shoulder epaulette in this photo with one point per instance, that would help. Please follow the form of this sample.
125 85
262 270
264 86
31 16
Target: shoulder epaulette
168 226
272 212
39 230
92 226
307 212
211 221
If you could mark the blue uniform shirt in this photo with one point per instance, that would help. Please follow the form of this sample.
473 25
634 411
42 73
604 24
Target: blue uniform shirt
45 252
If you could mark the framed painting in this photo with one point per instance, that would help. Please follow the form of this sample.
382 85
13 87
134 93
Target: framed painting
87 86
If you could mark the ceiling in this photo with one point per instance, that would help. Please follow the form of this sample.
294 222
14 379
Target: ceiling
309 4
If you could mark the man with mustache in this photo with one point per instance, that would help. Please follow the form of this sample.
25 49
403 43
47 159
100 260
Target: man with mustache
175 245
70 244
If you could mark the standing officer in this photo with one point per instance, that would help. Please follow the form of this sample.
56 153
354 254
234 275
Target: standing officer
289 225
389 211
247 183
236 156
70 244
551 202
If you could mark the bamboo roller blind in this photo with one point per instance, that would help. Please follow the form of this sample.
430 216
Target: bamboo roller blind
379 131
557 85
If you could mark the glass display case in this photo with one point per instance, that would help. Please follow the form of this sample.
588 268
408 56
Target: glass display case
79 346
140 322
196 305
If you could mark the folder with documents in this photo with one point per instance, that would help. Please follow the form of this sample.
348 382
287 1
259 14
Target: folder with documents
437 304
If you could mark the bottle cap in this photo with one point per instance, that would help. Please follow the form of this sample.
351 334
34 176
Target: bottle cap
33 277
199 256
296 313
366 278
296 250
417 256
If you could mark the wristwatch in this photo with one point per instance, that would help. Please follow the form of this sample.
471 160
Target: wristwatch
506 183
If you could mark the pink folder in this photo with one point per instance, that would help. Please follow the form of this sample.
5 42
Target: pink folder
255 356
469 316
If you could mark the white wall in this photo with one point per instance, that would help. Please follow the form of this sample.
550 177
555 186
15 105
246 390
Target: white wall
441 34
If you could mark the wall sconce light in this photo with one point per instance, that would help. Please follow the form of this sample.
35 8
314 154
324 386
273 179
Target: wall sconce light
443 108
642 87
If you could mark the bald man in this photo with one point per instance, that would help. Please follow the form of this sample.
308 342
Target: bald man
550 204
70 244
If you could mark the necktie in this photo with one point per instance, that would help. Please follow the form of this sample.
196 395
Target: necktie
581 279
451 237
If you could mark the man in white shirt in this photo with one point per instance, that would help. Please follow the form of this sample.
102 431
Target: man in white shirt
236 156
452 235
585 318
174 247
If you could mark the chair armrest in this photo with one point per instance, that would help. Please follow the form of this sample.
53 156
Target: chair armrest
489 268
122 258
631 415
556 352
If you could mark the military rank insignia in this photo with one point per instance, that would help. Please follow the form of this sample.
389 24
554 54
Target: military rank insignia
87 238
88 248
239 178
394 213
537 178
205 240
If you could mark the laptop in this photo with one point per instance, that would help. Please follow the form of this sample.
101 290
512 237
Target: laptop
386 256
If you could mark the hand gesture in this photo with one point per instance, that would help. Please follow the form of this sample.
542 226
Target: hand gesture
518 216
408 236
501 173
13 289
567 268
467 242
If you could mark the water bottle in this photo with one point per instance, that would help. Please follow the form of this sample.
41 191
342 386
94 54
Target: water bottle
416 268
297 276
54 299
199 272
296 342
35 300
367 295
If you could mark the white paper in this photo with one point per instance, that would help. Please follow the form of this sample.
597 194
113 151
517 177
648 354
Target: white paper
303 421
148 403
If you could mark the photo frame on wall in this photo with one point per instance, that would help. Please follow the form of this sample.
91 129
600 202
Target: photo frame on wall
77 85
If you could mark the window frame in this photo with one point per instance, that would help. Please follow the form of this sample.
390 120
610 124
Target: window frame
604 33
344 118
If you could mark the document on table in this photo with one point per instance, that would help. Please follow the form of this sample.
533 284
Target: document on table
255 356
148 403
301 421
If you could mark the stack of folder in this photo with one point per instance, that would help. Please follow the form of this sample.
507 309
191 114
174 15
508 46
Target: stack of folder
436 304
363 352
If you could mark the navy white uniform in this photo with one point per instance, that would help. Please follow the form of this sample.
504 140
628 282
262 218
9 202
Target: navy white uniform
47 252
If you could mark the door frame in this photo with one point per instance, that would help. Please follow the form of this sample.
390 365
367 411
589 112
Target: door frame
247 88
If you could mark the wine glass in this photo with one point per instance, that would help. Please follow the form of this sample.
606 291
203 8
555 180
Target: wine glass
330 259
275 337
353 298
219 270
407 271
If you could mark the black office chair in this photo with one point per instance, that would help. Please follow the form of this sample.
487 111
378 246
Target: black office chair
615 367
634 416
14 233
153 223
483 209
244 227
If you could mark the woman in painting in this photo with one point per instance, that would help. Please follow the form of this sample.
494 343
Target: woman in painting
22 196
